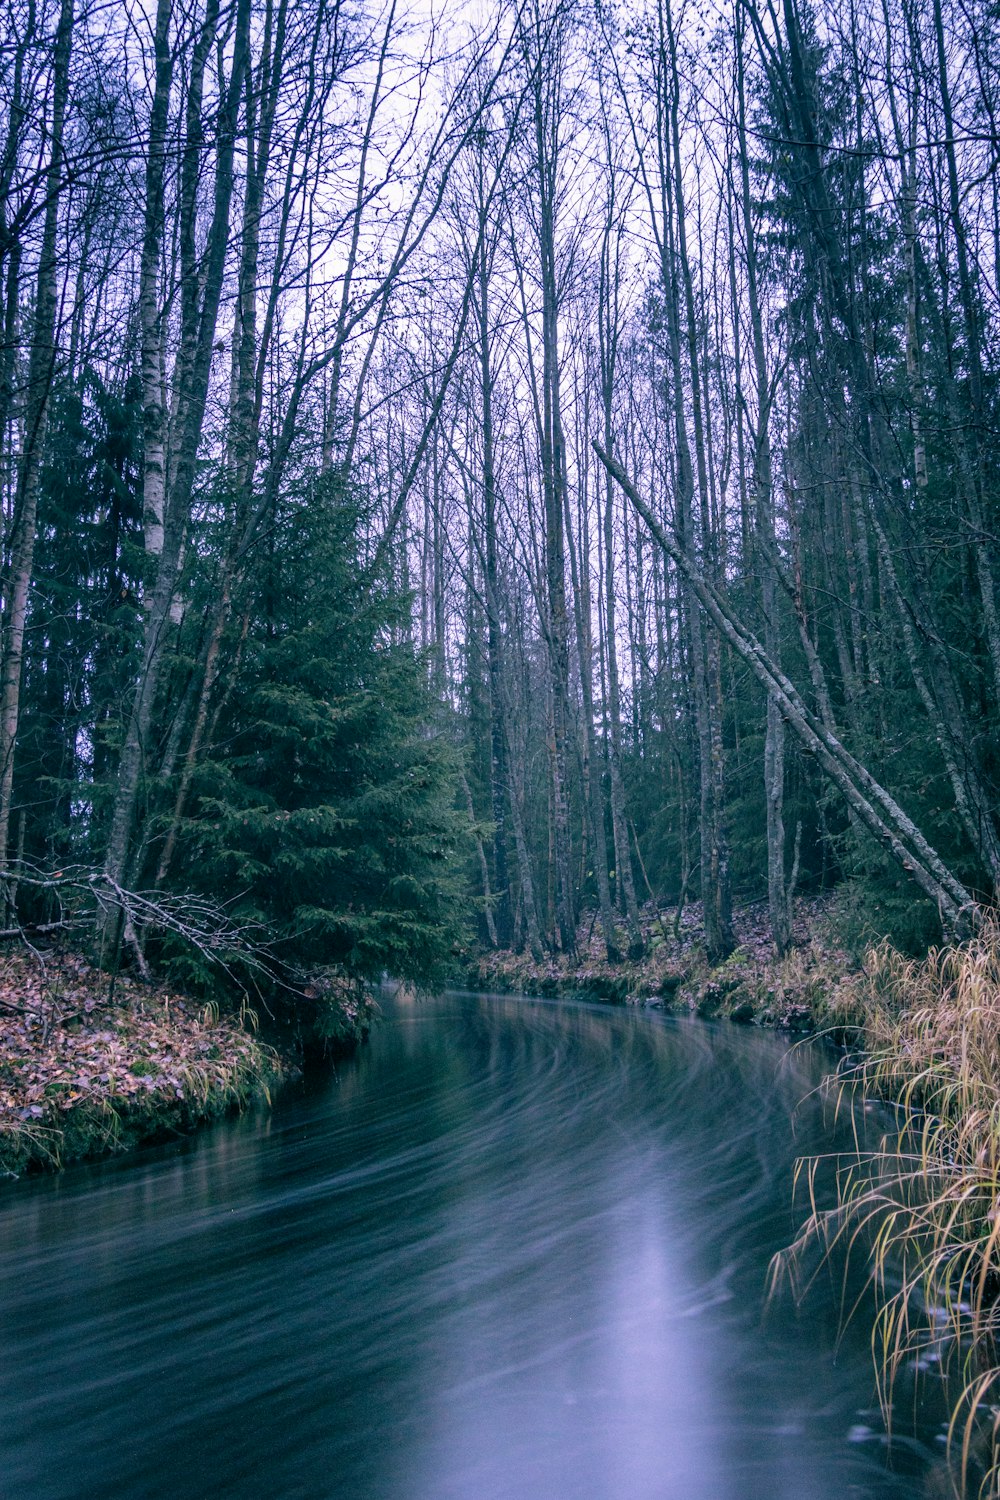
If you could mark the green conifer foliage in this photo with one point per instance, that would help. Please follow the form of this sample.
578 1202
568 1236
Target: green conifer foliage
80 654
326 810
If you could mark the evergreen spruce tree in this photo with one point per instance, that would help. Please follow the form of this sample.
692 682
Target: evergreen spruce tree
326 809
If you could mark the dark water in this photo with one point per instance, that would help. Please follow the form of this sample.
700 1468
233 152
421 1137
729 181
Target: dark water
517 1250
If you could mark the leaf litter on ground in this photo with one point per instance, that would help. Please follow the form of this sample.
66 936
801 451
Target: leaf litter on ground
89 1065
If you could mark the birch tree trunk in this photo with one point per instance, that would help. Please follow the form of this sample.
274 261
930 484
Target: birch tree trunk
201 289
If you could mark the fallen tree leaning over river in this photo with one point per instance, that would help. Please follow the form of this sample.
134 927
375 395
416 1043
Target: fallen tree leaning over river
870 802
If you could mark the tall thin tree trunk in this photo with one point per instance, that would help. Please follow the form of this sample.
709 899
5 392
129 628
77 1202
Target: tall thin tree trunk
591 760
968 435
498 749
608 334
201 292
715 884
763 488
41 375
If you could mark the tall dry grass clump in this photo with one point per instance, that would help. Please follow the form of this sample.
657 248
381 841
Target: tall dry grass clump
919 1202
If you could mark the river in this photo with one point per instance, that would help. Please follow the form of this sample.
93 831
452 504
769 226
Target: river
515 1250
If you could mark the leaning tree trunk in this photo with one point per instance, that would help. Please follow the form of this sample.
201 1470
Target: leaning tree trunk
873 805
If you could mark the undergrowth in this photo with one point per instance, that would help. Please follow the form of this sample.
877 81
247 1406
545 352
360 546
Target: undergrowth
921 1206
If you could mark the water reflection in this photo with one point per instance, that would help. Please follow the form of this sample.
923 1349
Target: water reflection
517 1249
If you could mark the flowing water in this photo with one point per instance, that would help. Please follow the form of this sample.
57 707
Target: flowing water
516 1249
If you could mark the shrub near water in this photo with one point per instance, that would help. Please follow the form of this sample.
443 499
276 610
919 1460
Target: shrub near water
924 1204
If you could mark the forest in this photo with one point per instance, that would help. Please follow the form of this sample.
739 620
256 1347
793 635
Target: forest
466 474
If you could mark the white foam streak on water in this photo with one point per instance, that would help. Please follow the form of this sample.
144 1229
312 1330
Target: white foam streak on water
517 1250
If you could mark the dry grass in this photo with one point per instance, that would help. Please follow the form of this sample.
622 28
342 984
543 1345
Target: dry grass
921 1206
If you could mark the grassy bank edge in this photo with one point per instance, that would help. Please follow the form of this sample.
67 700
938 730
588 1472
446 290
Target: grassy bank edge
89 1068
919 1205
816 987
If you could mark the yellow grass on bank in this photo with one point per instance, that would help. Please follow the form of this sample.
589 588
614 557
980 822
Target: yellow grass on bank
922 1205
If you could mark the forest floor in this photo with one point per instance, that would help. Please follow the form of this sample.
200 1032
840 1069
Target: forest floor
87 1067
815 987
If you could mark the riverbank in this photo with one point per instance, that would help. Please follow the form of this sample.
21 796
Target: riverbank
815 987
89 1066
919 1205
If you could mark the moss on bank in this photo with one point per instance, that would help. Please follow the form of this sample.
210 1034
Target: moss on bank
89 1067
